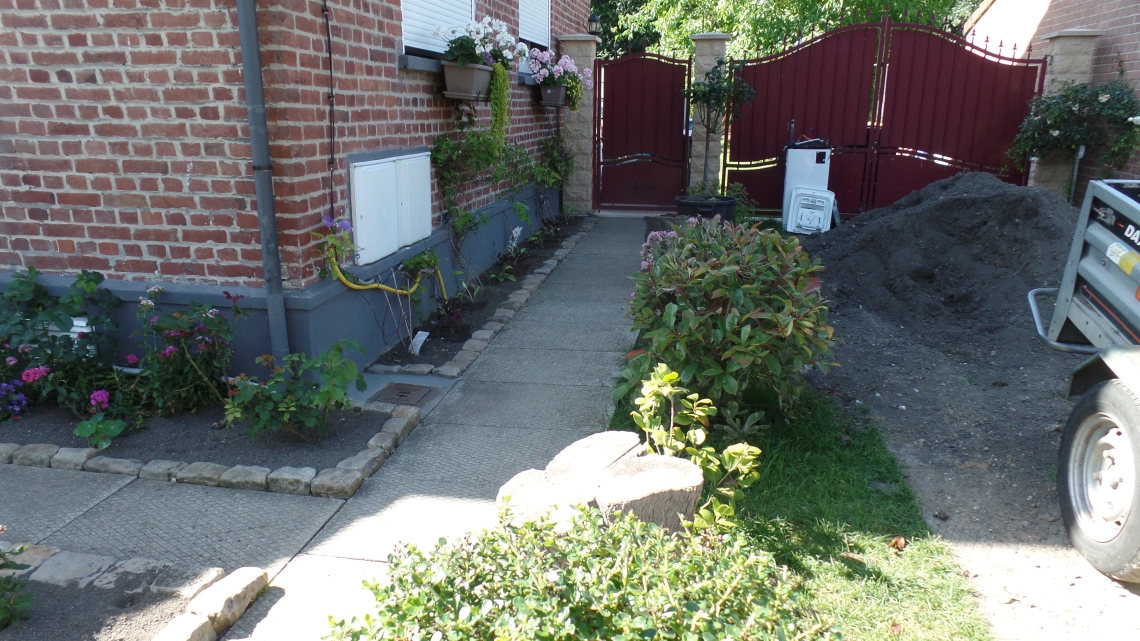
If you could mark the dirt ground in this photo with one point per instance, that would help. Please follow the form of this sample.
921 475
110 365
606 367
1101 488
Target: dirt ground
192 437
93 614
929 299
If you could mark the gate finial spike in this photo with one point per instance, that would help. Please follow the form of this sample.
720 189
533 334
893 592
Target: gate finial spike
919 18
906 14
1029 51
986 44
1014 54
1000 43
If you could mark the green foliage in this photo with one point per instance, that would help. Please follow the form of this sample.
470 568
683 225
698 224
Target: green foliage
99 430
503 274
758 28
299 395
727 307
1104 118
15 602
188 354
461 50
623 581
617 40
683 431
500 104
556 164
746 208
712 98
427 261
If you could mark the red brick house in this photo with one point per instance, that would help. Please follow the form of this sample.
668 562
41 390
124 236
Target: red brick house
125 141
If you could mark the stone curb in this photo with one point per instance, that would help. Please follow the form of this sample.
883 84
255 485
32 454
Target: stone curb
339 482
217 607
482 336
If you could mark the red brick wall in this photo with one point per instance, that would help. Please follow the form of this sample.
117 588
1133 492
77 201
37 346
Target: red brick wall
1118 48
123 137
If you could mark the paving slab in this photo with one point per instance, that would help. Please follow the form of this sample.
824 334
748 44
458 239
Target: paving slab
547 366
592 314
36 501
525 405
593 291
71 570
607 338
197 525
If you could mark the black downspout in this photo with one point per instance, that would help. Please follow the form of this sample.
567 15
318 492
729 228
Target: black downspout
262 177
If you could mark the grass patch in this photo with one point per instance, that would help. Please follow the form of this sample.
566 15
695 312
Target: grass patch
812 508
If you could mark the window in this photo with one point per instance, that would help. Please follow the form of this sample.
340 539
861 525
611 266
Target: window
422 17
534 21
391 204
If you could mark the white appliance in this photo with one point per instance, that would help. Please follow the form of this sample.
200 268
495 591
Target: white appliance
811 211
808 168
391 204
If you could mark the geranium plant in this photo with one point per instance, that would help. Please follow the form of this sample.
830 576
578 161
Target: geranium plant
481 43
549 72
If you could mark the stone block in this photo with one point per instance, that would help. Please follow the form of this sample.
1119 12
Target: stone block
483 334
185 581
187 627
511 304
502 315
35 455
491 326
71 569
131 575
561 252
6 452
201 473
410 412
336 483
72 458
32 556
386 441
475 345
401 427
376 406
107 465
419 369
544 270
245 477
291 480
385 369
365 461
449 370
160 470
465 357
224 602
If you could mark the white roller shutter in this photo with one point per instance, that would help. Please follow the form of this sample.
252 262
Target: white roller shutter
534 21
391 205
422 17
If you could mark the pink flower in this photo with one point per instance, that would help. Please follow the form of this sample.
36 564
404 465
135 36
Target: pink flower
132 359
168 352
24 348
34 374
100 399
11 360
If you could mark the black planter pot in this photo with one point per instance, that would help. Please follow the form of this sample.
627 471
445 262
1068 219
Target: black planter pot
707 207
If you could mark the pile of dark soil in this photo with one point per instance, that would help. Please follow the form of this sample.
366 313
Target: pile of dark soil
958 255
448 334
192 437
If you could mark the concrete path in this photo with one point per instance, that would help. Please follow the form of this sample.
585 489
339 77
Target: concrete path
541 384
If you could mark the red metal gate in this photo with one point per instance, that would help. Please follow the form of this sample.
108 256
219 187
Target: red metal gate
641 138
938 106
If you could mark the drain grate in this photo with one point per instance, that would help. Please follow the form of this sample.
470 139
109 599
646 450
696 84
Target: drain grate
402 393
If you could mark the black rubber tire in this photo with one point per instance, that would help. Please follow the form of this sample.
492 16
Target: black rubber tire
1118 557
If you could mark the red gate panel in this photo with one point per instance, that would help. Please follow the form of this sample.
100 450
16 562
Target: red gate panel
641 132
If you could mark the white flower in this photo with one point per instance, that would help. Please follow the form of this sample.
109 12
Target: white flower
146 303
157 289
1135 120
1104 97
1055 132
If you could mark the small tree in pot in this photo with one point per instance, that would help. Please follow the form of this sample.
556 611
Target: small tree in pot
711 99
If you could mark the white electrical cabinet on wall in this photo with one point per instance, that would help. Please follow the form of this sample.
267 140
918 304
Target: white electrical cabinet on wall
391 205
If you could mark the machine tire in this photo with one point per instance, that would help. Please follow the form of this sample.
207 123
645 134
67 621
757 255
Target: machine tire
1101 445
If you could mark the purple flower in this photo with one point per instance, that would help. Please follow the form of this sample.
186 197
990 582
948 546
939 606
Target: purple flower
11 360
168 352
99 399
24 348
153 320
343 225
328 221
132 359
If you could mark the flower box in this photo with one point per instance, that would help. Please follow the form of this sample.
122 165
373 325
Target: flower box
467 82
552 95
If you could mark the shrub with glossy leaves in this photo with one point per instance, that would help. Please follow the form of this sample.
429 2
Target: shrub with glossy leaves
625 581
728 307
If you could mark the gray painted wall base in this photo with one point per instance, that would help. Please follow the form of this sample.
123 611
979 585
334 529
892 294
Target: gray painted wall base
327 311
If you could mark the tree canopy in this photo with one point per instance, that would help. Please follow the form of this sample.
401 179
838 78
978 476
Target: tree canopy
760 27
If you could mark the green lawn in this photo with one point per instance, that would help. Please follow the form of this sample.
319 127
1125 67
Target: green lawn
813 509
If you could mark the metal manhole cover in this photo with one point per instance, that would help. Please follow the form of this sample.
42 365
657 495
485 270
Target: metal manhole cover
402 393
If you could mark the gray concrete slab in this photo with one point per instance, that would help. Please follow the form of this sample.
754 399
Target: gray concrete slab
588 338
582 314
597 291
583 269
36 501
525 405
198 525
548 366
376 382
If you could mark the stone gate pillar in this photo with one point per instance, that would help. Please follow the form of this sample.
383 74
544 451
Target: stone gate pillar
707 48
1070 56
578 191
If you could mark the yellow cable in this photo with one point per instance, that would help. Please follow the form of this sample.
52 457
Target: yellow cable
335 264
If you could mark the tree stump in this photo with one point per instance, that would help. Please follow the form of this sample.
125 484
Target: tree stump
657 489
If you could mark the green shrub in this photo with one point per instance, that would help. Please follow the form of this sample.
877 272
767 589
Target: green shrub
15 603
1104 118
625 581
727 306
298 395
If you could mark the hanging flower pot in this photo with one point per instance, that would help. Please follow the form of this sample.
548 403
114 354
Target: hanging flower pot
469 82
552 95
